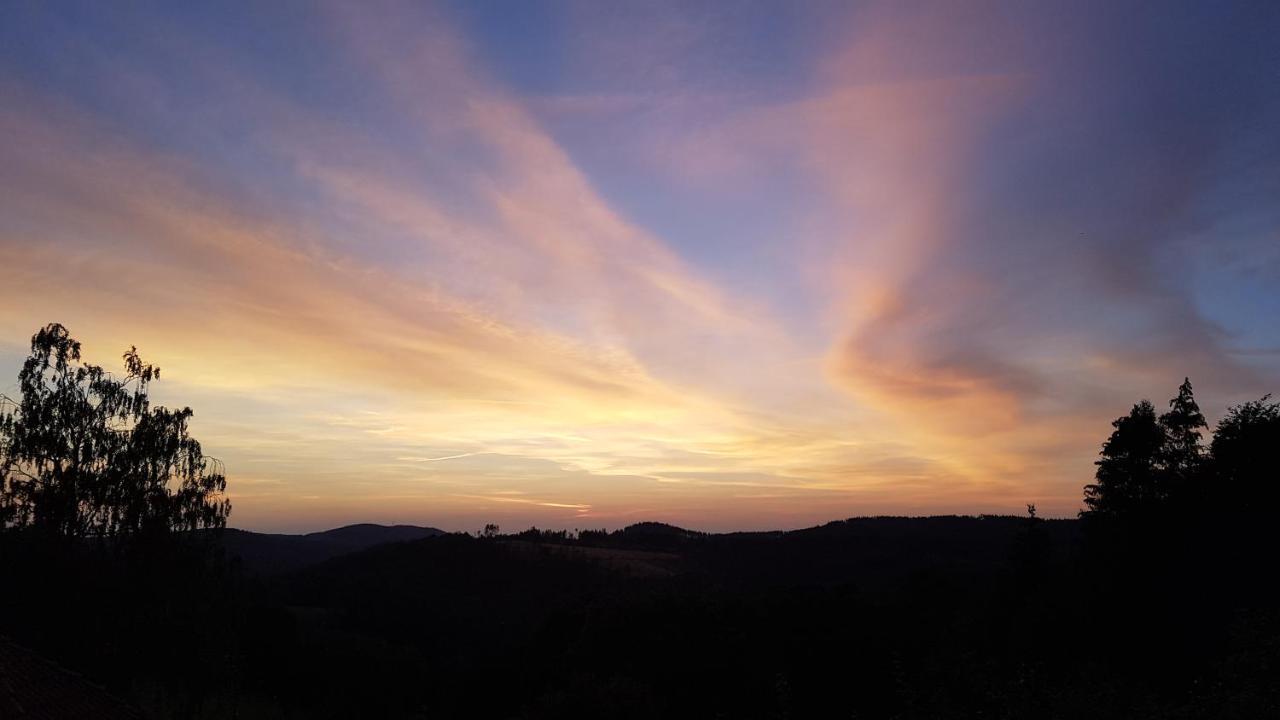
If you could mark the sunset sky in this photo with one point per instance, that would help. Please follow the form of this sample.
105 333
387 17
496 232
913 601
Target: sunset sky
732 265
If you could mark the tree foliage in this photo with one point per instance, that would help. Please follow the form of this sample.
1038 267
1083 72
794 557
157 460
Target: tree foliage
1183 454
1242 452
1128 476
1148 460
1150 465
85 454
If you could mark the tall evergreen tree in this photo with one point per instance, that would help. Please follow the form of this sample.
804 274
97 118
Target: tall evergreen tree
1182 425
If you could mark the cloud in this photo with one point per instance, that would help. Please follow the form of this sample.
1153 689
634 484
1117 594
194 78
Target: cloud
1009 244
346 301
913 263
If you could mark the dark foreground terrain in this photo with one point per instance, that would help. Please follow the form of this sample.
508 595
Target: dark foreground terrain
938 617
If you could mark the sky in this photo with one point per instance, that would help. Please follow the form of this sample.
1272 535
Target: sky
737 265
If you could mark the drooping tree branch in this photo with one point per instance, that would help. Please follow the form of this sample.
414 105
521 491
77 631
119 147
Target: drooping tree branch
84 453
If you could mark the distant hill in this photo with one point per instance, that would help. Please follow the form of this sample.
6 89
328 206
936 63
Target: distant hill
871 552
867 548
649 617
656 534
268 553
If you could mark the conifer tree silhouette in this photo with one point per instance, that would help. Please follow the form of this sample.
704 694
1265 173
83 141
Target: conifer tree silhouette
1183 423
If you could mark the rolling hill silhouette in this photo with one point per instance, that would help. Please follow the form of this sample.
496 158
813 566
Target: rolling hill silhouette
270 553
695 615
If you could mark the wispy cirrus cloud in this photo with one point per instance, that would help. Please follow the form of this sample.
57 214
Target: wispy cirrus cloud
527 328
897 259
1006 232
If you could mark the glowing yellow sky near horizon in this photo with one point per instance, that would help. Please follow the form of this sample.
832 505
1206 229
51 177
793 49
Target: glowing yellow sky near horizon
451 324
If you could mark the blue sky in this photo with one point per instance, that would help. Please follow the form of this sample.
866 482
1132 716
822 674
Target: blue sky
723 264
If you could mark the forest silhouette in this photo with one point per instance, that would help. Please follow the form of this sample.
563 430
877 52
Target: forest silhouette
1160 601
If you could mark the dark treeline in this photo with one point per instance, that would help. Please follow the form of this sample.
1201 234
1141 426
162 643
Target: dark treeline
1160 601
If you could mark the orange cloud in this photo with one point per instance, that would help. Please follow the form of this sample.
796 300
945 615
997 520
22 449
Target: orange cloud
549 353
424 308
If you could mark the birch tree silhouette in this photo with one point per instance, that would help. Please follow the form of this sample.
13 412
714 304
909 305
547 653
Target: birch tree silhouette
85 454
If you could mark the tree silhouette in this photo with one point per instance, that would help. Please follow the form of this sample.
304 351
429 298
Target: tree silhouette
84 454
1149 461
1243 451
1182 424
1128 476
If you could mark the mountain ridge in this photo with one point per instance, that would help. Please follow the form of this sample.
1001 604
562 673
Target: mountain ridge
273 553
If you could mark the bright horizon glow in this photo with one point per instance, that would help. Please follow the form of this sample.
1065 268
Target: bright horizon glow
580 266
